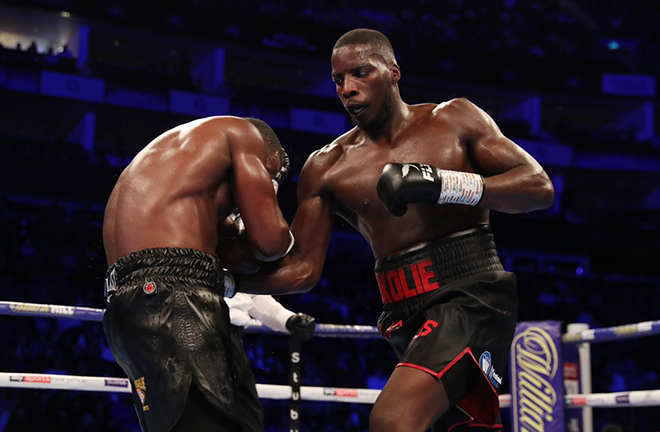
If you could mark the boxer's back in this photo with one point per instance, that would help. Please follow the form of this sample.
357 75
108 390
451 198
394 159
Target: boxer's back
172 193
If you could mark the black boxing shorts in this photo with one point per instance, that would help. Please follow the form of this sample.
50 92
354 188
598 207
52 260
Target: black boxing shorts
167 325
450 311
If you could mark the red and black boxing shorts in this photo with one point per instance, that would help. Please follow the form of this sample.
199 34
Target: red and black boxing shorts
450 311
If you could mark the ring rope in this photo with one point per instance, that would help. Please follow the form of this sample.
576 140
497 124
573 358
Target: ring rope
328 394
90 314
605 334
647 328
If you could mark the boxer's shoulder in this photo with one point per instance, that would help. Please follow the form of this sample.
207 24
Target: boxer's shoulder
329 155
461 112
319 165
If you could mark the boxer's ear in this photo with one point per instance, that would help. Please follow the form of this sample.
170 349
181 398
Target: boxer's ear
395 72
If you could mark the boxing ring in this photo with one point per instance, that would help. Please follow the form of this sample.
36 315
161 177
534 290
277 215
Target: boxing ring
536 402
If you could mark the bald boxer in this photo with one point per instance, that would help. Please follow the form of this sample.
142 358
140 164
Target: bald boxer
418 181
165 226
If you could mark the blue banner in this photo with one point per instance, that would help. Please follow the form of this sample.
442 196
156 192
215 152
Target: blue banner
307 120
198 105
19 80
629 85
143 99
537 387
549 153
72 86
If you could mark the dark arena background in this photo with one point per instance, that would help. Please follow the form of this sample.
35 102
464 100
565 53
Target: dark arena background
84 85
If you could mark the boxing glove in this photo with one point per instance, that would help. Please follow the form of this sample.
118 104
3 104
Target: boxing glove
402 184
238 222
240 226
302 325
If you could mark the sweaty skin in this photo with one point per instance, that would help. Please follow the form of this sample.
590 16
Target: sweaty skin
178 191
341 177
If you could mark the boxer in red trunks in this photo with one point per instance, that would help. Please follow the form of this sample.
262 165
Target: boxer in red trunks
418 181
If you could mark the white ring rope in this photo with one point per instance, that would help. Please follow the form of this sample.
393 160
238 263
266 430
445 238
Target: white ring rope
90 314
332 394
647 328
327 394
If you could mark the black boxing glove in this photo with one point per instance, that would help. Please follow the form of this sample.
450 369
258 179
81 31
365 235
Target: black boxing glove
301 325
403 184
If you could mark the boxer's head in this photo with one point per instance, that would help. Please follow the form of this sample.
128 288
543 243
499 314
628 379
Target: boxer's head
277 159
366 74
378 43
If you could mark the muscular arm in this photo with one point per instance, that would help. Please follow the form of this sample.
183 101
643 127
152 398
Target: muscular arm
514 180
234 250
312 226
266 229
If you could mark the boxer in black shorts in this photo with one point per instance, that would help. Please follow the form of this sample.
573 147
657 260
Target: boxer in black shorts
172 243
433 300
166 324
423 176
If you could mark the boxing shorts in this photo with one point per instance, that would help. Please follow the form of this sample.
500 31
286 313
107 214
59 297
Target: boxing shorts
450 311
167 325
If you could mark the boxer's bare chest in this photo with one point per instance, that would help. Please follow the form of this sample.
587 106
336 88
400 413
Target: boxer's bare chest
353 178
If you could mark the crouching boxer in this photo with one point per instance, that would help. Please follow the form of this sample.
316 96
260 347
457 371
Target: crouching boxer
166 322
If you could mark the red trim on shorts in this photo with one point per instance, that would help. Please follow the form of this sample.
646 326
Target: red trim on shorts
472 403
422 368
443 371
494 426
456 359
455 425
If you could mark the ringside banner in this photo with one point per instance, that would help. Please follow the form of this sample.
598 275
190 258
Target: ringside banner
537 384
